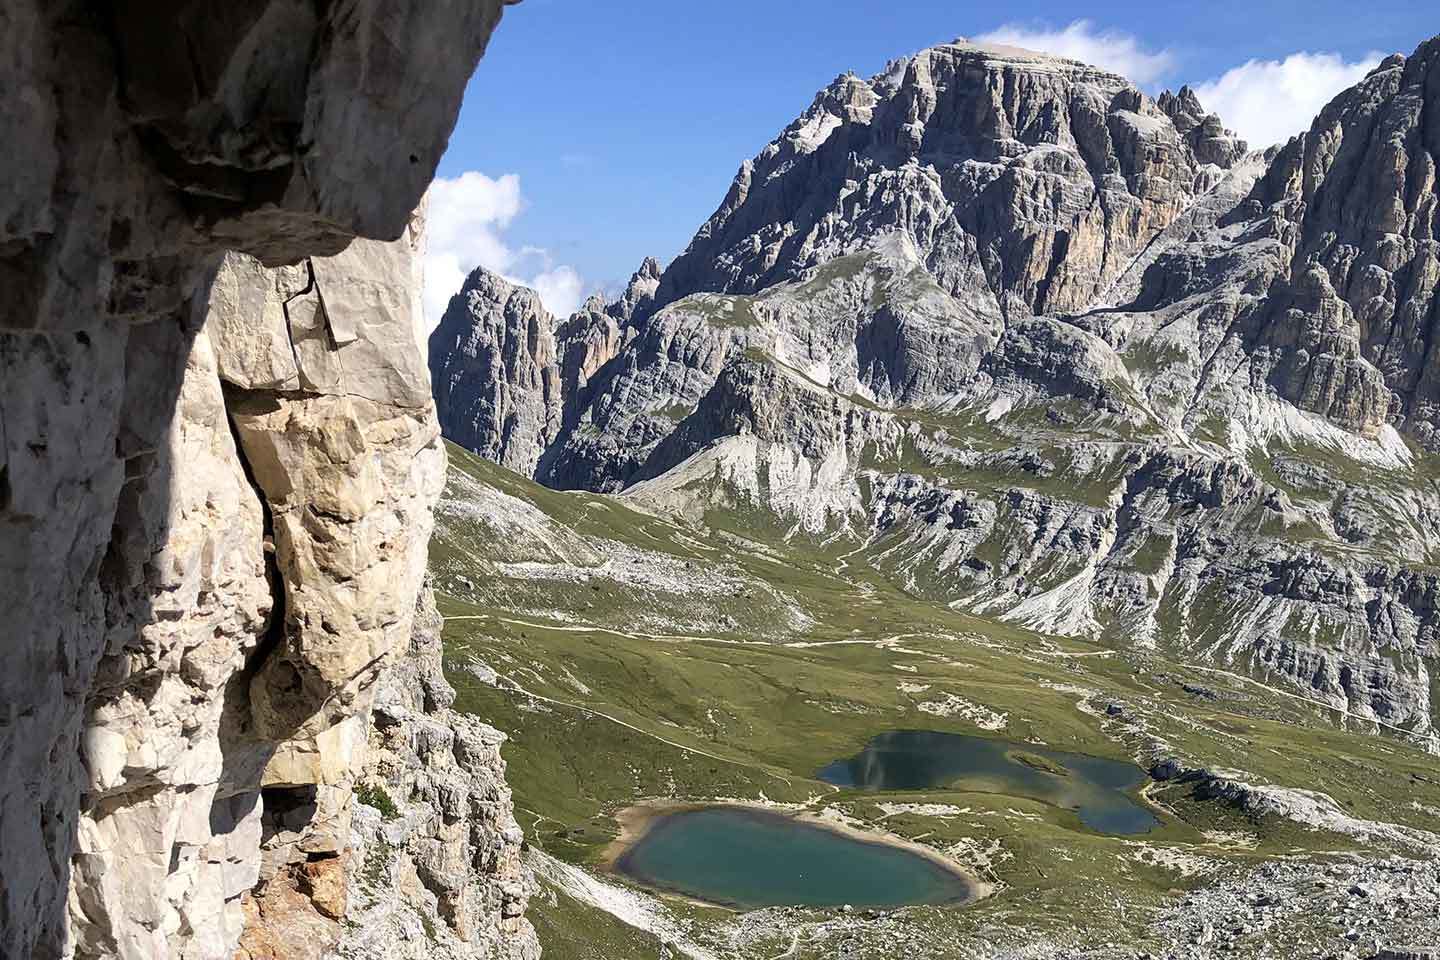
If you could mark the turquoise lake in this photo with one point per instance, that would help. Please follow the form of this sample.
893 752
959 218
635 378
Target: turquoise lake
1095 788
747 858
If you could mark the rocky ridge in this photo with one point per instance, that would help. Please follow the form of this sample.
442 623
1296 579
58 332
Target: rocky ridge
1066 355
1020 181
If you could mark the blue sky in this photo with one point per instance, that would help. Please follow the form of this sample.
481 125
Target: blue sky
596 133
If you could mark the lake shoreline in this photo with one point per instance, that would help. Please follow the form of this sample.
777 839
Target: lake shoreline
638 820
1104 793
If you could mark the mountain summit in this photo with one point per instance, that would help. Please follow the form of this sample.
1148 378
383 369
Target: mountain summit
1023 183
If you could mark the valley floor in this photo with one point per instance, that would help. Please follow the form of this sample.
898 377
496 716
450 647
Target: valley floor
634 657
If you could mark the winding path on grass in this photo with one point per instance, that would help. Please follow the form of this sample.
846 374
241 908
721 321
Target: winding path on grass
590 628
591 711
794 945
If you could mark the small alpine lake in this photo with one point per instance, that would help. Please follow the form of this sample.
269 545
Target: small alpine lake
1097 789
747 858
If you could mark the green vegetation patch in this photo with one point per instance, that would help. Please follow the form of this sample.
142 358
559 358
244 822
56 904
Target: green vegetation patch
374 795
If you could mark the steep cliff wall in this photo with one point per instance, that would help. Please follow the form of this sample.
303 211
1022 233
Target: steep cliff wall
211 530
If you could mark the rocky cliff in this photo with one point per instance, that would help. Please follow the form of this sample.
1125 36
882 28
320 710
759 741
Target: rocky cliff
498 370
434 846
215 478
1051 350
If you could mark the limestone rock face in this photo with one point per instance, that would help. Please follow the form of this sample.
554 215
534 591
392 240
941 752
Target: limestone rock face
1355 200
1204 133
591 338
436 873
170 827
774 406
494 359
640 291
135 538
223 745
869 323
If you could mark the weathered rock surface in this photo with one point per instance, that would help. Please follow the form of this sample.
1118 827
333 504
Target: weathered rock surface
437 872
1021 181
1118 378
1356 202
223 745
494 361
164 665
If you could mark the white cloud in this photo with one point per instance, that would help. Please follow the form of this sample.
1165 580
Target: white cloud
561 288
1113 50
468 217
1269 101
1265 101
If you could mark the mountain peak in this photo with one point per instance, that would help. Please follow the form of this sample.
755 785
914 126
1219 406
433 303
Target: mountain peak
1069 349
1020 178
639 292
1005 52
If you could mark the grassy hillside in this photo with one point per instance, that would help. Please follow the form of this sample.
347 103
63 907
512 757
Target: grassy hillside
633 656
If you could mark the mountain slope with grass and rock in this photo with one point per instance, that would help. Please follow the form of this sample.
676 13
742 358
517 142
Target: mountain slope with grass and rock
1046 349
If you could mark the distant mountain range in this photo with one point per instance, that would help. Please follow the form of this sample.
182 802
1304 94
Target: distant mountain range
1045 348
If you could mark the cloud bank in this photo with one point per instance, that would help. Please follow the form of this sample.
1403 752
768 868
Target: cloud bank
1113 50
1269 101
468 218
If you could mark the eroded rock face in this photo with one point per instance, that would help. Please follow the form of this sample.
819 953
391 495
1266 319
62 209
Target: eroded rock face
1021 181
136 541
436 866
170 825
493 357
1356 201
222 748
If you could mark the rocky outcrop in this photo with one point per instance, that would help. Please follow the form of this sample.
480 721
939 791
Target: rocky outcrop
435 848
767 436
639 292
1204 133
868 324
1356 201
213 531
776 406
494 363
